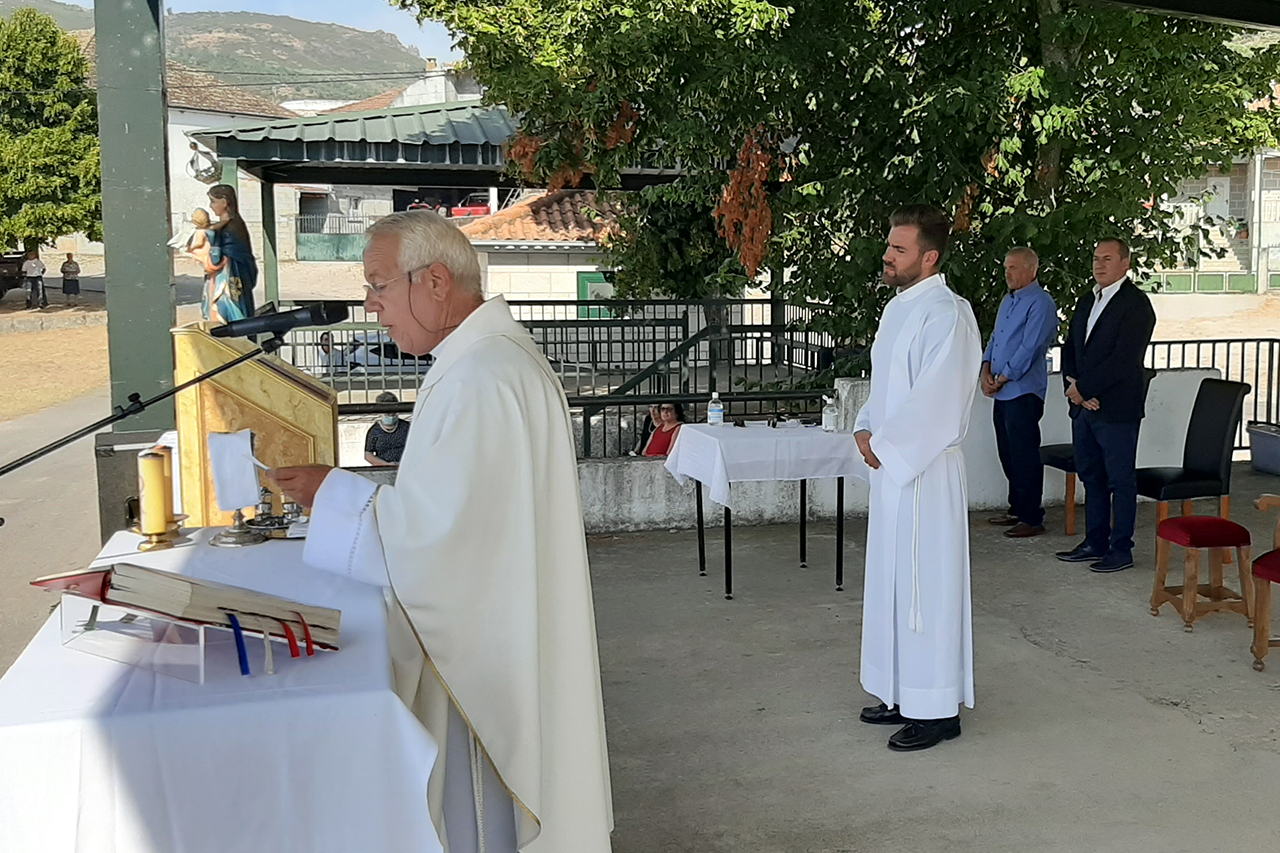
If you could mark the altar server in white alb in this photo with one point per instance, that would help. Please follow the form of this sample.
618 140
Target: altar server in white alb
480 545
917 628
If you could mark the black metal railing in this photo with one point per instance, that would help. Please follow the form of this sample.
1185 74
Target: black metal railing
602 347
1252 360
614 357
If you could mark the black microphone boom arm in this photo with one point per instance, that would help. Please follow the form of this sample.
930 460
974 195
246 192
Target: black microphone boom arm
138 405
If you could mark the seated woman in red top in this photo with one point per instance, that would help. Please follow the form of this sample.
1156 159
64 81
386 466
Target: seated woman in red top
672 415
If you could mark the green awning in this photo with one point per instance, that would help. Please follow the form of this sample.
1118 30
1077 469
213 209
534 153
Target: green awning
1258 13
453 144
455 134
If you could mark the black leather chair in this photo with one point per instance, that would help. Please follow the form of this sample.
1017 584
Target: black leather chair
1063 457
1206 456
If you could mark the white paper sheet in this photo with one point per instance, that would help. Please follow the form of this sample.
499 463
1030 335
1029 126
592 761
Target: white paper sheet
235 478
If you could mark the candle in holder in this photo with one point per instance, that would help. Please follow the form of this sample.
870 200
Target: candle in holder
167 453
153 520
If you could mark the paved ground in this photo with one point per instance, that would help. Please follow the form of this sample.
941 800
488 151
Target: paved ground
733 724
50 509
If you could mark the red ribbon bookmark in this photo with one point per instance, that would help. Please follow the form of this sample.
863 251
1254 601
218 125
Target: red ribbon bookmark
306 632
294 651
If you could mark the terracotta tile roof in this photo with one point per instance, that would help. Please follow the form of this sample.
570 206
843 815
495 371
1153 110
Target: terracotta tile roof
193 90
377 102
565 216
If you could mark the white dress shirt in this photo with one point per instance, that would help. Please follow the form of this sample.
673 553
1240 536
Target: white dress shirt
1101 296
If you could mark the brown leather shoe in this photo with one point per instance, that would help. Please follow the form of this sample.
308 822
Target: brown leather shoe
1003 520
1024 531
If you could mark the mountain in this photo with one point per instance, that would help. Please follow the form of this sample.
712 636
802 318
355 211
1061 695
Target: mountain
253 50
69 17
278 57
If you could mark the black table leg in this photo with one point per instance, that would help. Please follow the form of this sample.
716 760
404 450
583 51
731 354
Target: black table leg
804 513
702 537
840 534
728 554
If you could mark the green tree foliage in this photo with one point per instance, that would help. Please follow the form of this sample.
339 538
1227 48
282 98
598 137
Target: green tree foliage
1048 123
49 164
667 245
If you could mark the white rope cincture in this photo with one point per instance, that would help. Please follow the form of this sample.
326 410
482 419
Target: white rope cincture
477 788
915 620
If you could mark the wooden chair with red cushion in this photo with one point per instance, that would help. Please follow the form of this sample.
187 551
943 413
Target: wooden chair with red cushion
1197 533
1266 571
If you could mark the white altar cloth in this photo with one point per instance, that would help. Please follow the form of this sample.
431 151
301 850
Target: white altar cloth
100 757
721 455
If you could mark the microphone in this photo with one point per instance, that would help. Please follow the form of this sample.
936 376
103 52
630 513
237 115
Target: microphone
316 314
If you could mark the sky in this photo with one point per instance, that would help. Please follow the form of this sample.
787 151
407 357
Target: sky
431 39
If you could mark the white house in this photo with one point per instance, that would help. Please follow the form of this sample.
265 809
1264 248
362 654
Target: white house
196 100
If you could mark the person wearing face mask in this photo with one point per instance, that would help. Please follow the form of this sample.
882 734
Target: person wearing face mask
385 440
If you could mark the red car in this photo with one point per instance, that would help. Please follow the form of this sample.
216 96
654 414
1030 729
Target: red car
476 204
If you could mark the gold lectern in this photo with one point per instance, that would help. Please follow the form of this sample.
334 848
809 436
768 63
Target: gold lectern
294 418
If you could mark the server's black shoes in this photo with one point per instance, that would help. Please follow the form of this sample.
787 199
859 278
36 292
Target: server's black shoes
922 734
882 715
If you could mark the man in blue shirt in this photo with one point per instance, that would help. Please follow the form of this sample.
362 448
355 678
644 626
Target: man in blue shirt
1014 372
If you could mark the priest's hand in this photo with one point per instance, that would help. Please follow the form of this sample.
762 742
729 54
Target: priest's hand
1092 404
863 438
301 482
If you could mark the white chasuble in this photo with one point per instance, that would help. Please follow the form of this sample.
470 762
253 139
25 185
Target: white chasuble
491 616
917 627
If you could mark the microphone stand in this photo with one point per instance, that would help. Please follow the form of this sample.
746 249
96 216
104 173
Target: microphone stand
138 405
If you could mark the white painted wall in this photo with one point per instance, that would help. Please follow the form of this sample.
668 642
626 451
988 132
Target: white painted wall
537 274
638 494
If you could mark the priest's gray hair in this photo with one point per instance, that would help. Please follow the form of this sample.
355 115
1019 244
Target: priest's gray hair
1026 254
427 238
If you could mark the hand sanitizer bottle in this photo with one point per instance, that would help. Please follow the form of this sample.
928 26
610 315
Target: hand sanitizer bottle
715 410
829 414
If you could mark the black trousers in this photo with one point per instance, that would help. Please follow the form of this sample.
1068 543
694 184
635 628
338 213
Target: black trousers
1017 424
1106 456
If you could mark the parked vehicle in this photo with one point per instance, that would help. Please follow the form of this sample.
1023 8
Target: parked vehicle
375 352
476 204
11 271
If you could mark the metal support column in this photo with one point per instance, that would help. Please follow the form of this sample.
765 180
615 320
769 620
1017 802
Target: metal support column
135 204
270 253
231 174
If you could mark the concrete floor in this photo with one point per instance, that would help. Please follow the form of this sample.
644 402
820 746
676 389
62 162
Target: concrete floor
50 509
733 724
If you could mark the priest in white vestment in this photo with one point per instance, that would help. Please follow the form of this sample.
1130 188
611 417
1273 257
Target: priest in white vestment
480 547
917 628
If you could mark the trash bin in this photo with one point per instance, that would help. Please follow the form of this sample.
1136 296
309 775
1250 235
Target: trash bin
1264 446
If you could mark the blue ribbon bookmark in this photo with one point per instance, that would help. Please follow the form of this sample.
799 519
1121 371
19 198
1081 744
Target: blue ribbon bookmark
241 651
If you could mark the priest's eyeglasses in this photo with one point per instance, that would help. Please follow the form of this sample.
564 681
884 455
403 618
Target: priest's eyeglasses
377 288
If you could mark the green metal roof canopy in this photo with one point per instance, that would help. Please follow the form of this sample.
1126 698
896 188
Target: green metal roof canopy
1259 13
454 144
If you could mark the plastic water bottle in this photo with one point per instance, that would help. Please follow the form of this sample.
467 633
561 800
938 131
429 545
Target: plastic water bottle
830 414
715 410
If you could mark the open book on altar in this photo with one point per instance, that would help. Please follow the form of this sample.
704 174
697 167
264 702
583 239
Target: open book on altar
174 596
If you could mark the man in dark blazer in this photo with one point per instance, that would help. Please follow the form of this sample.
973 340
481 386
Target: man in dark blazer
1107 388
